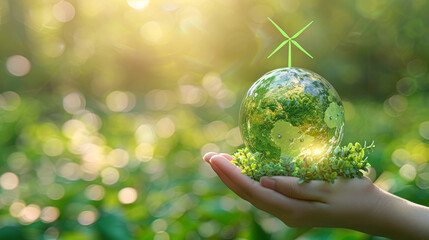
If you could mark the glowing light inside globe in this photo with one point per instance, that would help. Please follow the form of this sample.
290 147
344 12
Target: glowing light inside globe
291 111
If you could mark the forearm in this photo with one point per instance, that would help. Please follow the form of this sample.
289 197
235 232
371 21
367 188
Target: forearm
409 220
397 218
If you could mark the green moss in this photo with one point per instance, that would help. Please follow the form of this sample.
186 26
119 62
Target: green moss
348 161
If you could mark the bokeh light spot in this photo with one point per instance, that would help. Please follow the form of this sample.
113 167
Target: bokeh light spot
165 127
109 176
30 213
118 158
94 192
160 100
138 4
9 181
161 236
55 192
63 11
127 195
406 86
144 152
209 147
408 172
400 157
225 98
17 161
152 32
87 218
53 147
70 171
18 65
212 82
192 95
145 134
51 233
10 101
92 120
16 208
50 214
159 225
118 101
233 137
208 229
216 130
424 129
74 102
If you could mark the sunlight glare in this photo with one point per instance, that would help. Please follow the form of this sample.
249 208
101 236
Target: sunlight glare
138 4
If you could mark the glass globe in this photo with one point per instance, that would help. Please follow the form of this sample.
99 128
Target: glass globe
291 111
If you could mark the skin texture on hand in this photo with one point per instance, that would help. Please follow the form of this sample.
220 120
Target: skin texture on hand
355 203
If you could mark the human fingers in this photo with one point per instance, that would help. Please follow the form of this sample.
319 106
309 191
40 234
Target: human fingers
221 175
289 186
209 155
261 197
227 156
227 181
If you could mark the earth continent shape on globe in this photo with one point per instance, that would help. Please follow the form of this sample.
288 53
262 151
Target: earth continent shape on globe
291 111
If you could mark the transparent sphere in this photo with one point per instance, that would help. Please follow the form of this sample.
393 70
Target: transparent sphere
291 111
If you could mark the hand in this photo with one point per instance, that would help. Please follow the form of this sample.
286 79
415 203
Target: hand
356 203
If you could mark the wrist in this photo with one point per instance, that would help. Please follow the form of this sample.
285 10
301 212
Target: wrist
375 214
396 218
408 220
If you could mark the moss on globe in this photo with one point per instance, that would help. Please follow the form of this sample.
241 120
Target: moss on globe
291 112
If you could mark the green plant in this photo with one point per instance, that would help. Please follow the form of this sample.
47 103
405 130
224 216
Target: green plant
347 161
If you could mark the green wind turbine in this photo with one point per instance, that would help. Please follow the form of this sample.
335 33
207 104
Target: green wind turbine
290 41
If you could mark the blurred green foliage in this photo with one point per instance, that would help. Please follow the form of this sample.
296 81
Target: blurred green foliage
106 107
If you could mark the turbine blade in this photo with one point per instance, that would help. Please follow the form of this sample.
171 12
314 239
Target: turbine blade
302 49
280 46
302 30
281 30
